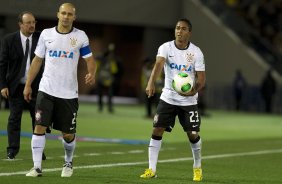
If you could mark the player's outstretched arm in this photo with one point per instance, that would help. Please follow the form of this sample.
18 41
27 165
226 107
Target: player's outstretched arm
156 72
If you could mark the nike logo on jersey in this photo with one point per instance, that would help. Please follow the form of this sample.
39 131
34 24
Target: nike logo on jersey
170 56
194 126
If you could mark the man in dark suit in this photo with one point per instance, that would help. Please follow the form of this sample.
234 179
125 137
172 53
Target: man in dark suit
17 51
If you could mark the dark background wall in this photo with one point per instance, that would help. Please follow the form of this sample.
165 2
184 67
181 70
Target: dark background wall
138 27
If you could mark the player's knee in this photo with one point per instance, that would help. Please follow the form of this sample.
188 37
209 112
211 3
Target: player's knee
68 137
39 129
158 131
193 136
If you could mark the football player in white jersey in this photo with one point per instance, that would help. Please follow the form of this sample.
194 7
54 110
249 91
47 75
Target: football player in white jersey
57 100
175 56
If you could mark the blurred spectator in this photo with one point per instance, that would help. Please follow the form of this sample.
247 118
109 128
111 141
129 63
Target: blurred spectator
108 76
239 86
265 19
268 89
264 16
151 102
257 22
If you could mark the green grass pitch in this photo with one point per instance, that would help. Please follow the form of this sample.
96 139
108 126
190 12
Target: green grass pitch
238 148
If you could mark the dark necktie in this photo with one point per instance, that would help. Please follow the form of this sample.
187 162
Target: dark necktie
25 57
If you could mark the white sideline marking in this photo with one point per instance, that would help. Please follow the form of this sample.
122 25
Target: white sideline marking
136 151
116 153
263 152
12 160
92 154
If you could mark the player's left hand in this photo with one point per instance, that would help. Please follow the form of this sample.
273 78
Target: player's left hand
89 79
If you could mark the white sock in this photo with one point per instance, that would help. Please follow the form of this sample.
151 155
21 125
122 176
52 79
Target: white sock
69 149
37 147
196 151
154 149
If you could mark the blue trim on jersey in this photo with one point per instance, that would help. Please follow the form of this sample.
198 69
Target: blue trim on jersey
85 50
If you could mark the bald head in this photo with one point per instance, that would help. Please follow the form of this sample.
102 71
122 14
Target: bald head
67 5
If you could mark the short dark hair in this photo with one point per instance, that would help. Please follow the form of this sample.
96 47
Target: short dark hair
20 17
187 21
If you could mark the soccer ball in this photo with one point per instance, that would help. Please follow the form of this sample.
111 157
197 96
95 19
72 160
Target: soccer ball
182 83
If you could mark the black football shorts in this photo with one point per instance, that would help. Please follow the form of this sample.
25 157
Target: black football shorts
188 116
58 113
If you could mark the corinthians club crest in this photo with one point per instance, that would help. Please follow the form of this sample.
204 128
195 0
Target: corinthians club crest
189 57
156 118
38 116
73 42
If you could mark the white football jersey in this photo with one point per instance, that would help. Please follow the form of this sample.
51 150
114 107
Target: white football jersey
188 60
61 52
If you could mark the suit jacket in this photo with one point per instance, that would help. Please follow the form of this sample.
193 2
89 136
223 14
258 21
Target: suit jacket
11 62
